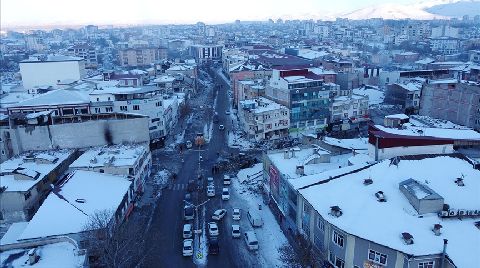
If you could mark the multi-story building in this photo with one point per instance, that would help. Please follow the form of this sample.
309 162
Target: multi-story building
445 45
454 100
423 231
51 70
88 53
141 56
250 89
406 94
304 94
351 107
206 53
132 161
25 182
263 119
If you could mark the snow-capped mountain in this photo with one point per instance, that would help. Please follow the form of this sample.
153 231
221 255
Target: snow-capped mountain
391 11
456 8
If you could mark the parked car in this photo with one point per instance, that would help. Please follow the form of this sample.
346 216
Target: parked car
225 194
188 144
188 213
213 248
219 214
236 231
188 198
221 127
236 214
254 218
227 180
210 191
213 229
210 181
188 247
251 240
187 230
191 185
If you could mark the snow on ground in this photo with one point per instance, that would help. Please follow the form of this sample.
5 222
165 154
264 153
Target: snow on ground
161 178
270 236
235 140
375 96
63 254
200 251
426 121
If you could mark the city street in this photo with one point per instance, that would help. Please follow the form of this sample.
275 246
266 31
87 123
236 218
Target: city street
165 233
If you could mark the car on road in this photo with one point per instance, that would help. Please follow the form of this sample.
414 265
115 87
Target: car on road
236 214
187 230
188 247
251 240
188 144
221 127
188 213
213 248
191 185
219 214
227 180
225 194
210 181
210 191
213 229
188 198
236 231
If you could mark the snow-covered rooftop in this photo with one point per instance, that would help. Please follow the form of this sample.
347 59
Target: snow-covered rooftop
357 144
445 133
117 156
8 180
56 97
262 105
78 198
374 96
397 116
396 215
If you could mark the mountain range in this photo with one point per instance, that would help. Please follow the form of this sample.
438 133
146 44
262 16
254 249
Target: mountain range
423 10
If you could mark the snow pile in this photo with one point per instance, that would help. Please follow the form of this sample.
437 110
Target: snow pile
161 178
426 121
270 236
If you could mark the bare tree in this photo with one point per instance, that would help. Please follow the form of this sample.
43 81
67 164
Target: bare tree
113 245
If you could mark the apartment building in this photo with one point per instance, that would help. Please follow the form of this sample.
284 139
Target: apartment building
206 53
141 56
352 107
452 100
86 52
406 94
263 119
304 93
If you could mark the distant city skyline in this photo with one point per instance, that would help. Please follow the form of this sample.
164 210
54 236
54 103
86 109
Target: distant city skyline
20 13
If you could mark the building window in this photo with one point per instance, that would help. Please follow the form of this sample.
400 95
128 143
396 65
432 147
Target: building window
321 224
337 239
102 171
339 263
158 104
109 109
123 108
97 110
426 264
136 107
377 257
331 257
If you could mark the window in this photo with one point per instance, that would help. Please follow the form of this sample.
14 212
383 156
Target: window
426 264
337 239
123 108
102 171
136 107
339 263
109 109
97 110
321 224
158 104
331 257
377 257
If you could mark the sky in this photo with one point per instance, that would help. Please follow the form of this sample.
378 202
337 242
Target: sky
69 12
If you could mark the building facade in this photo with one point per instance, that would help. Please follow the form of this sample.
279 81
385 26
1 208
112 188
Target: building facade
141 56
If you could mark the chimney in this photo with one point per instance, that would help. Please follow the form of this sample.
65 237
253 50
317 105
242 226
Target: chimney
380 196
32 256
367 181
407 238
459 182
336 211
293 152
445 242
436 229
286 154
300 170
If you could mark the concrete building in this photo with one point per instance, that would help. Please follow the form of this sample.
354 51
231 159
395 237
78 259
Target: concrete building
250 89
132 161
36 132
445 45
405 94
263 119
353 108
453 100
304 94
206 53
25 182
88 53
422 231
141 56
51 70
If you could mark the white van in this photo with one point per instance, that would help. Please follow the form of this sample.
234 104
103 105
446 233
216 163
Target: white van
227 180
251 240
187 230
254 218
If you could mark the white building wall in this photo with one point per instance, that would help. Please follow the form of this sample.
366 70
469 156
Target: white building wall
387 153
48 73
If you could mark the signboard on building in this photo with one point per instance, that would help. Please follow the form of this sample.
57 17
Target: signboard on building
458 213
274 180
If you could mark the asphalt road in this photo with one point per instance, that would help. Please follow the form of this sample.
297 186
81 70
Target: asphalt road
165 233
